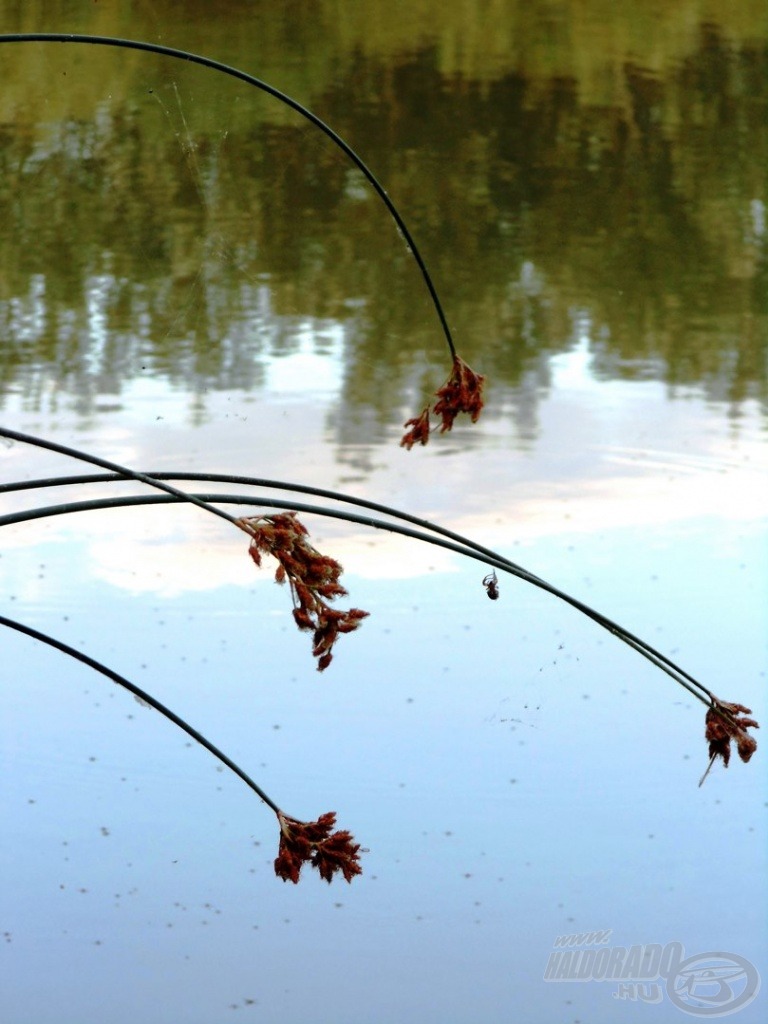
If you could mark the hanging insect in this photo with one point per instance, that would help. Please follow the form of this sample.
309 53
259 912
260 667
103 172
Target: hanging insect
491 584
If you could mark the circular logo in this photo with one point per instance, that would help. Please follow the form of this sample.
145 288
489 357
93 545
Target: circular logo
713 984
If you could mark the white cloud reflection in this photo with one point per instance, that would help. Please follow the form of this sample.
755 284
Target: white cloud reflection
602 462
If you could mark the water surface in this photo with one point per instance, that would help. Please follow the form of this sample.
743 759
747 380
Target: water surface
194 279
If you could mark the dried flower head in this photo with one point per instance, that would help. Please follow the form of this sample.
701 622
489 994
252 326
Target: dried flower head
313 579
419 432
462 392
725 722
313 842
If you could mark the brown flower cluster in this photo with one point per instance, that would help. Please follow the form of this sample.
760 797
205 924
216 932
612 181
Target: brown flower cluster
313 842
419 432
313 579
462 392
726 722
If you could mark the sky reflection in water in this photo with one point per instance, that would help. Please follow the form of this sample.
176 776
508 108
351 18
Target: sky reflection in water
515 773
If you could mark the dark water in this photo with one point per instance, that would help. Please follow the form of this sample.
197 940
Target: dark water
566 179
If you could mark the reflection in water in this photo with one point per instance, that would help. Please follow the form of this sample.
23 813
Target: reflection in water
179 225
586 182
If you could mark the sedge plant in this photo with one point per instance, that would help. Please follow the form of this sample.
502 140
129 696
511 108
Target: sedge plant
313 582
462 392
313 578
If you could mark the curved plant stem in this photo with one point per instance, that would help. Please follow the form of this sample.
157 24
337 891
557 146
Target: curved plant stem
457 544
243 76
147 698
279 485
122 471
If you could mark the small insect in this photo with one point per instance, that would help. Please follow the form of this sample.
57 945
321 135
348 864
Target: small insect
491 584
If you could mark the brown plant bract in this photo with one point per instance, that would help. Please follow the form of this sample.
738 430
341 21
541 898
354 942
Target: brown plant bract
462 392
419 432
725 722
313 842
313 579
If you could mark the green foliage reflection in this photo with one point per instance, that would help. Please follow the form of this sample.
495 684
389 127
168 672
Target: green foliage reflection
155 220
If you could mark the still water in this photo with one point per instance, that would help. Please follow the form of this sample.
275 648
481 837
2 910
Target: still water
194 279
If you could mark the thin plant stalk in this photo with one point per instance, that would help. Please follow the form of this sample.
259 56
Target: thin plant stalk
143 696
460 546
122 471
301 842
457 543
243 76
280 485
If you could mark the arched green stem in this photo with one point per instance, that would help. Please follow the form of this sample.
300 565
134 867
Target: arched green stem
243 76
457 544
147 698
